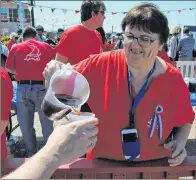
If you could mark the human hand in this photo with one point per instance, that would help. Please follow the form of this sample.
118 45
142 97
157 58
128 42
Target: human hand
52 67
178 151
69 115
72 140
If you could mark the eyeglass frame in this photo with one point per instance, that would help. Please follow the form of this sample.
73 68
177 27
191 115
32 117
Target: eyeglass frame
101 12
139 39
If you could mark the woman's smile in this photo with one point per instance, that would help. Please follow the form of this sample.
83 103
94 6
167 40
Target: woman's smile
136 51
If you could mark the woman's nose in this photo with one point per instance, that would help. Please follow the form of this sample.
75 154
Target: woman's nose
134 43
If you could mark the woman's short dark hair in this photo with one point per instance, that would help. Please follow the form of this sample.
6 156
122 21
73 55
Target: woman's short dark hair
149 18
88 6
29 32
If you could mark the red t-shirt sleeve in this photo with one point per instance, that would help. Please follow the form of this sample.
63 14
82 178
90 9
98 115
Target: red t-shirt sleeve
83 67
92 66
10 62
65 45
185 113
6 95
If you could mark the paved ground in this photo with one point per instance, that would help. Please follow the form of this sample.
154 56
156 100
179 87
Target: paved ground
37 125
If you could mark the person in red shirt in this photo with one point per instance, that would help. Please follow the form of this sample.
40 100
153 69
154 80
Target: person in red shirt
135 90
79 41
13 40
27 61
6 99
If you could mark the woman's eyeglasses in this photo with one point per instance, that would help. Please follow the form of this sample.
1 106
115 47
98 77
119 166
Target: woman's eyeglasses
142 41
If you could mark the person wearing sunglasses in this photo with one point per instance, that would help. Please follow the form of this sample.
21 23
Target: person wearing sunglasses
79 41
40 36
138 97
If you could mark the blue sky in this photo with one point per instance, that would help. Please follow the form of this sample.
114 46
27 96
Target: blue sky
53 21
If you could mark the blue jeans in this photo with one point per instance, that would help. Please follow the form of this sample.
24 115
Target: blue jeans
29 99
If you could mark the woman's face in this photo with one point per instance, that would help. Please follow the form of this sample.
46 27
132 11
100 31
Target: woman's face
140 53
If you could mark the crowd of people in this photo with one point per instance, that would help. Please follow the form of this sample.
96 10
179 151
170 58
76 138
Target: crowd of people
137 94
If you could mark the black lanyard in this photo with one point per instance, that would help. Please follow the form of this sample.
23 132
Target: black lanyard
139 96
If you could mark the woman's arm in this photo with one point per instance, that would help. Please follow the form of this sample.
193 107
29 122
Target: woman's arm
177 145
183 132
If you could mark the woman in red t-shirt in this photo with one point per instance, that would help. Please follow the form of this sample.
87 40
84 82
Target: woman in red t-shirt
138 97
6 99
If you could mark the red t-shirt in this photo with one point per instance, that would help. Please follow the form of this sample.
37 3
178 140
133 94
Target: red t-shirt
10 44
6 98
109 100
29 59
77 43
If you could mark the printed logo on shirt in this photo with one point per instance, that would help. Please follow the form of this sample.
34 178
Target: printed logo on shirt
34 55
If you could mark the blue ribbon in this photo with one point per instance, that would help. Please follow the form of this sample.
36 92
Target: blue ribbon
156 119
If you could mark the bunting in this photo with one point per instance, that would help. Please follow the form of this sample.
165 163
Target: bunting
113 13
52 9
64 11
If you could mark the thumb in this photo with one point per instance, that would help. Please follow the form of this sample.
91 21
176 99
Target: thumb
170 146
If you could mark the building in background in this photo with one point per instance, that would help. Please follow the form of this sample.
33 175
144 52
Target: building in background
12 13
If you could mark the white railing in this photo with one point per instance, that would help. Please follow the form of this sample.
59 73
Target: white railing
187 68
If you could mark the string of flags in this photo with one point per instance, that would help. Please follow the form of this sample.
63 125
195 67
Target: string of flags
113 13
